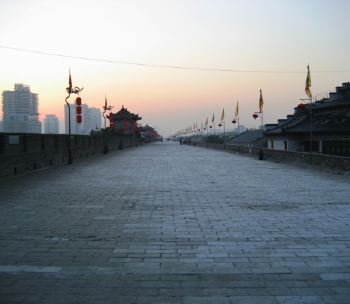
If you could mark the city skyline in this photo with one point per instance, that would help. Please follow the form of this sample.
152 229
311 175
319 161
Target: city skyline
265 36
20 110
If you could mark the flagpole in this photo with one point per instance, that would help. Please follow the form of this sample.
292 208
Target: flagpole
309 94
224 132
238 126
311 139
104 116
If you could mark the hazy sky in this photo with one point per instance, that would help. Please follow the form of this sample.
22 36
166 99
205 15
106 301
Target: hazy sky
275 35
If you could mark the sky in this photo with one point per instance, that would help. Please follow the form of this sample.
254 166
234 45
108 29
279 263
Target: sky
270 42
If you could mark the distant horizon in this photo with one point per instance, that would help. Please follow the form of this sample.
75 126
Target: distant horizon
229 129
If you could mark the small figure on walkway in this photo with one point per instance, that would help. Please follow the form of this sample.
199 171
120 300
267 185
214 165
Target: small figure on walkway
261 154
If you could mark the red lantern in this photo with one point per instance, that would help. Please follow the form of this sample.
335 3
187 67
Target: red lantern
301 106
78 109
255 116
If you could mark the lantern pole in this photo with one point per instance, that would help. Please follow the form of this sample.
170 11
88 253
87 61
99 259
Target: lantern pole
69 133
70 90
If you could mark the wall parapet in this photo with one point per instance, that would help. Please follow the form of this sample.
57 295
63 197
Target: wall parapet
20 153
333 162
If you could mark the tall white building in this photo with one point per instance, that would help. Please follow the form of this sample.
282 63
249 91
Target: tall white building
96 118
51 124
20 110
91 119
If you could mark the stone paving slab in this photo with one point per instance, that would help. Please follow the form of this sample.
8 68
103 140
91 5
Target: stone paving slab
165 223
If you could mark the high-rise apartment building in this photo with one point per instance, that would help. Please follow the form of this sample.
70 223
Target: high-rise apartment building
20 110
96 119
51 124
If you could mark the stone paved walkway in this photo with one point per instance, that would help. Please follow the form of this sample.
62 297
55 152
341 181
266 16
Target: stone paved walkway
165 223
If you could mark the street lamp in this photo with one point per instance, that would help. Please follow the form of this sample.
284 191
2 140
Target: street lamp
70 90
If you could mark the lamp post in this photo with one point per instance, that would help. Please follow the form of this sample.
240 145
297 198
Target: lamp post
70 90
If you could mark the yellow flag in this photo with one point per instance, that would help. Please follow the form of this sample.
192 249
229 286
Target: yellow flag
308 83
237 110
261 102
223 115
212 120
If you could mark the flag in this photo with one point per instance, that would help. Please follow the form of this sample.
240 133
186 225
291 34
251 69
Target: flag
212 120
223 115
206 122
70 83
308 83
261 102
105 106
237 110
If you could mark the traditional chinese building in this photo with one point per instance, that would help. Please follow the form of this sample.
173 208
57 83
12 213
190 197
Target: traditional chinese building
149 134
124 121
322 126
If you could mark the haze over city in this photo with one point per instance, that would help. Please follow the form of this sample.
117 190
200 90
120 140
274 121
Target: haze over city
259 38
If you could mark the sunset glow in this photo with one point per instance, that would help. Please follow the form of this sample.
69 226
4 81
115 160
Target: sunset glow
245 35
